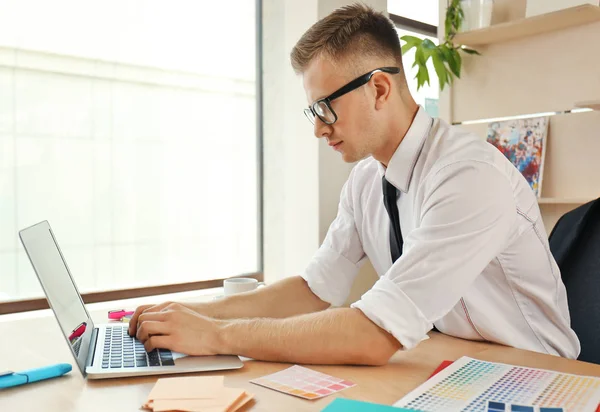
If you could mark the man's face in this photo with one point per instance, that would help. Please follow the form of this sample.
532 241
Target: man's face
355 133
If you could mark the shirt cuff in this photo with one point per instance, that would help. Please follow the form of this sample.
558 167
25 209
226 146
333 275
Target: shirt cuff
330 276
392 310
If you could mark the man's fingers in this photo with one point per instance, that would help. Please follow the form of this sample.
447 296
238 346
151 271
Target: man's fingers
148 328
134 323
158 341
154 317
134 319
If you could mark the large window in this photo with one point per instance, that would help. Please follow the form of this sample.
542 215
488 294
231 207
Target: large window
418 18
131 127
424 11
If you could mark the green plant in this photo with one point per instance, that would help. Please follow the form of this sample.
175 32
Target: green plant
446 58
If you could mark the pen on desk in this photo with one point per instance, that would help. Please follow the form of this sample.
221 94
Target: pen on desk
119 314
10 379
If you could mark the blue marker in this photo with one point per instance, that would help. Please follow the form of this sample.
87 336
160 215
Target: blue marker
10 379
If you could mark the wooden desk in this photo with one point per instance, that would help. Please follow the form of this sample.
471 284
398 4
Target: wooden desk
35 342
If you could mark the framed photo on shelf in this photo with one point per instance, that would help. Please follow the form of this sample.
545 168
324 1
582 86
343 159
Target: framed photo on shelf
523 142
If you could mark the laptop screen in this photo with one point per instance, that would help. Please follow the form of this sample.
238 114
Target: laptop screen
61 292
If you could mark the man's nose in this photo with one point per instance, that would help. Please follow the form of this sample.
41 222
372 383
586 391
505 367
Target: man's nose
321 129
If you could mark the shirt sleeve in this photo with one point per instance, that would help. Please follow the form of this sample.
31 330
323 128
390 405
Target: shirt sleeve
332 270
467 212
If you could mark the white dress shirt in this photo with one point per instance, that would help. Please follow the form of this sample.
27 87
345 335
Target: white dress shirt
475 262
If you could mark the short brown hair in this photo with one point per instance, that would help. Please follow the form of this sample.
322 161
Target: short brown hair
355 30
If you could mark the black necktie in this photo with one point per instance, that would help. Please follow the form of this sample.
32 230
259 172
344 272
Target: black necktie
390 198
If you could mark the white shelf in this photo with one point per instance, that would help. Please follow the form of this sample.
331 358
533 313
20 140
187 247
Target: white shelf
544 23
590 104
564 200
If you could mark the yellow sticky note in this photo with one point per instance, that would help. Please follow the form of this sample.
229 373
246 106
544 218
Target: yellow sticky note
189 387
222 402
246 397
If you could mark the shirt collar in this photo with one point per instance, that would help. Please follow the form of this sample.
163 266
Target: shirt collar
402 163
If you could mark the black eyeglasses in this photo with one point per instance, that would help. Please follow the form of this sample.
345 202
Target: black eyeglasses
322 107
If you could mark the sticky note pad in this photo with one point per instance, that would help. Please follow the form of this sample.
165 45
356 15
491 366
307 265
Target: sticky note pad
348 405
303 383
188 387
226 397
195 393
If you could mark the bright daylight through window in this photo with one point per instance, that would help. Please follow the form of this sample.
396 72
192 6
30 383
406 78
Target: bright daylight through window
424 11
133 135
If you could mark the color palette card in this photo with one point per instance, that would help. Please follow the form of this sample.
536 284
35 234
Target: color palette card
507 407
468 384
303 382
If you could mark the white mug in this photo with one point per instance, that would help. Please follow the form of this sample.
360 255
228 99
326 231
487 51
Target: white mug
240 285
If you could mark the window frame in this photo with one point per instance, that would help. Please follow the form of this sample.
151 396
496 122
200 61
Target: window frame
413 25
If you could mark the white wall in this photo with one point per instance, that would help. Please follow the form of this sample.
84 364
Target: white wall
290 150
303 176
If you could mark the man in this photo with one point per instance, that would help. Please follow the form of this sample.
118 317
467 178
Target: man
451 227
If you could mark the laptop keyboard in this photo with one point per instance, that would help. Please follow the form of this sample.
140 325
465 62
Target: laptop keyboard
123 351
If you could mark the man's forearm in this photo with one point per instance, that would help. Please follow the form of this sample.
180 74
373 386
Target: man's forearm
288 297
336 336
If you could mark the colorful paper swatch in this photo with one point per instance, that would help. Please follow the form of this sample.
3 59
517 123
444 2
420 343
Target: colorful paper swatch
507 407
468 384
303 382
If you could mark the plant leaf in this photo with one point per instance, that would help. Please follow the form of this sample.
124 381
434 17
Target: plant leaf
440 68
470 51
448 57
445 51
448 23
426 75
448 54
454 62
422 77
453 20
419 78
420 57
411 41
458 59
407 47
428 44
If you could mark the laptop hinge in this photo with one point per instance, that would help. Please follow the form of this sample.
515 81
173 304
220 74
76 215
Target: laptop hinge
92 348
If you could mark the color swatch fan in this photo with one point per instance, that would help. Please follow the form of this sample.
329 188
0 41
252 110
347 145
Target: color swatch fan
468 384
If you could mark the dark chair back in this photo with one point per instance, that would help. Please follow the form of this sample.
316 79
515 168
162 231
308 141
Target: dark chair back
575 244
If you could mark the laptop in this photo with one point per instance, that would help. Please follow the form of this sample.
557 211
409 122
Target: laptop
106 350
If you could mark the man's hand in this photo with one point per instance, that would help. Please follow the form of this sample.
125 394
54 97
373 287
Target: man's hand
133 322
179 329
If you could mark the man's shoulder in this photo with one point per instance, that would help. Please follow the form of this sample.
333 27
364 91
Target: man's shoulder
454 145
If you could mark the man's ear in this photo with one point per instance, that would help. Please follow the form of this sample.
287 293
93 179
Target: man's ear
382 84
